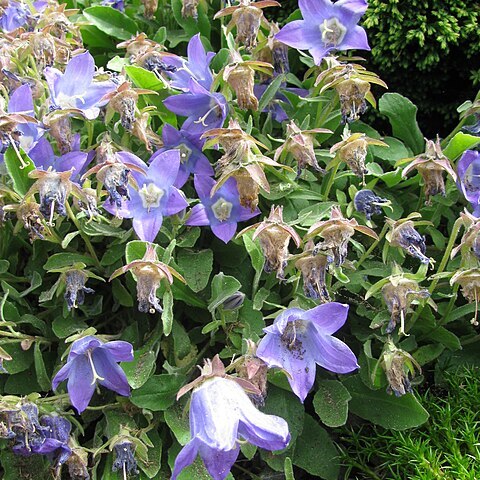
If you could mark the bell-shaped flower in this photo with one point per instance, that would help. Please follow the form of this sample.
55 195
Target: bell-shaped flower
299 339
44 158
192 160
221 417
367 202
17 14
75 89
155 198
196 67
204 110
326 27
468 169
222 211
91 361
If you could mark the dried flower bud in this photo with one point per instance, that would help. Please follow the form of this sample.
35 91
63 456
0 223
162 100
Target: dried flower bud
124 102
43 48
141 130
78 464
469 280
405 236
32 219
367 202
314 269
279 52
61 131
399 367
431 165
470 242
75 288
115 179
352 94
151 7
254 370
124 459
398 295
247 19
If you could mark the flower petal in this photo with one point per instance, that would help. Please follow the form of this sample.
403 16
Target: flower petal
114 377
61 375
176 202
218 462
198 216
80 383
224 230
355 38
185 458
119 350
21 100
328 317
164 167
78 76
148 224
300 34
316 11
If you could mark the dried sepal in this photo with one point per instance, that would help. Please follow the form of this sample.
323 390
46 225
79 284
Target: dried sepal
469 281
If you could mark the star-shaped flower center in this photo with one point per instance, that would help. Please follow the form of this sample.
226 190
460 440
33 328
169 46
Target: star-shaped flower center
151 196
185 153
222 209
333 32
290 337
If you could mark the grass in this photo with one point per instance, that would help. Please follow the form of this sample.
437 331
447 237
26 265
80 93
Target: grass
447 447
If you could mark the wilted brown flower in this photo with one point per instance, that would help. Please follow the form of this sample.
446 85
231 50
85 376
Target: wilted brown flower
431 165
469 280
274 235
336 233
470 242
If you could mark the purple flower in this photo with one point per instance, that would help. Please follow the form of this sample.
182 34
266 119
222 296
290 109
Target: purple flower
17 14
196 67
468 170
91 361
192 160
298 339
156 196
57 432
222 415
75 89
222 211
43 157
205 110
275 106
21 101
326 27
116 4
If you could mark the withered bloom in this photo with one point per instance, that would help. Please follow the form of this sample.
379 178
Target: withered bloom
124 102
300 144
77 464
279 52
399 367
142 130
60 128
151 7
75 288
469 280
254 370
274 235
367 202
398 294
336 233
242 160
314 269
471 238
352 83
189 9
431 166
53 189
138 47
32 219
404 235
247 17
240 75
149 273
353 150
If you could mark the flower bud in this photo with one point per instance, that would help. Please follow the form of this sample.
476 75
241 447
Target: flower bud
399 367
314 269
352 94
32 219
241 79
233 302
75 288
151 7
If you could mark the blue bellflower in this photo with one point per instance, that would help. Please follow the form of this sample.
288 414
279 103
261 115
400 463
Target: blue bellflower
192 159
17 14
196 67
222 211
91 361
156 196
468 169
326 27
299 339
75 89
221 416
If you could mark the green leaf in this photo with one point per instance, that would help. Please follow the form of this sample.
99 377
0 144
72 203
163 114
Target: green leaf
16 467
402 114
158 393
111 21
188 238
388 411
176 417
167 314
144 79
256 256
61 260
94 37
138 371
445 337
121 294
191 26
21 359
286 405
315 452
151 465
223 286
95 229
64 327
196 267
19 175
42 377
288 468
270 92
459 143
428 353
331 403
68 238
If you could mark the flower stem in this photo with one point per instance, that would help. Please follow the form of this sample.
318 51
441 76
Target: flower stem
372 246
331 179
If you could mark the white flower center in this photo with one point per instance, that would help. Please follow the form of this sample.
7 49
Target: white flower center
151 196
67 101
333 32
222 209
185 153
